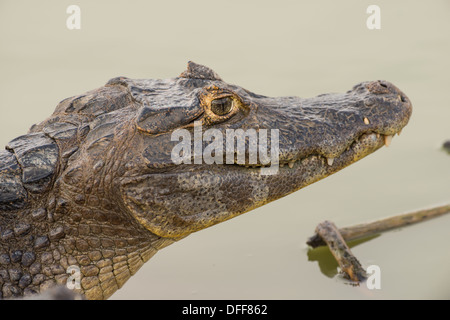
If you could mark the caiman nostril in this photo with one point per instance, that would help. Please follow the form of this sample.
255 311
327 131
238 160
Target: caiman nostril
403 98
378 87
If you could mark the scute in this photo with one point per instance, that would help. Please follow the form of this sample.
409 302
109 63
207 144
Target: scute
166 103
198 71
38 157
61 131
96 102
163 120
12 193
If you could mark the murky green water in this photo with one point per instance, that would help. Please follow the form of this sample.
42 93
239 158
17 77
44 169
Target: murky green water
273 48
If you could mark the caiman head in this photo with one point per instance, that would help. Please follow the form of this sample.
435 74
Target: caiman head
121 171
176 177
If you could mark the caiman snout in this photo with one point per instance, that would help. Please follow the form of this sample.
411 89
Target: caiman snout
382 87
329 124
385 106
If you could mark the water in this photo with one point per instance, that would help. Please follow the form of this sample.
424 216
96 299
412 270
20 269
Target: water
276 49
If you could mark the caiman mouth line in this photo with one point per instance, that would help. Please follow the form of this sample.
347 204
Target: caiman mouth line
385 139
374 136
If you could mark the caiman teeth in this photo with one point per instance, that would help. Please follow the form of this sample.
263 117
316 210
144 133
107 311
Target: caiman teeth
399 131
387 140
366 121
330 161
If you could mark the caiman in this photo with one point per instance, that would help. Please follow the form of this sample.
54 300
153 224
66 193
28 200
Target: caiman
94 186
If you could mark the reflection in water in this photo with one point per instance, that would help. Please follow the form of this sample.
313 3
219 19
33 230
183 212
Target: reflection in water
446 146
327 263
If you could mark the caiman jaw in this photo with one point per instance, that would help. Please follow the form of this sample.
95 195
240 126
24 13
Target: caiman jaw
377 139
363 146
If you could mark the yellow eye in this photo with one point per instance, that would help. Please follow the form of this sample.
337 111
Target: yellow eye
222 106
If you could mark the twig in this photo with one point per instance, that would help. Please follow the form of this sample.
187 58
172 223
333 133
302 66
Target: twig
341 252
367 229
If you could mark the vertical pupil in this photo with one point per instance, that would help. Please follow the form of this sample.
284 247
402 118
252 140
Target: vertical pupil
221 106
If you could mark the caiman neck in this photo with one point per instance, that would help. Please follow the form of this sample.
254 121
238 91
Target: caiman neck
40 243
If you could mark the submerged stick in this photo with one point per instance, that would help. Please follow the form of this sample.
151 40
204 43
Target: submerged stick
368 229
347 261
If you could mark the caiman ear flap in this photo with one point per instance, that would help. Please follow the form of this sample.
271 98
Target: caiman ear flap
162 120
197 71
165 104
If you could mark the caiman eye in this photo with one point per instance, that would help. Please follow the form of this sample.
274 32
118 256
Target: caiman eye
222 106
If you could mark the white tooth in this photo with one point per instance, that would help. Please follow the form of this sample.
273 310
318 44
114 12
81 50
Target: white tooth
281 165
366 121
378 135
330 161
387 140
291 164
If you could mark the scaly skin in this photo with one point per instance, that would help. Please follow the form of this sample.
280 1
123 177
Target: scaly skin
94 186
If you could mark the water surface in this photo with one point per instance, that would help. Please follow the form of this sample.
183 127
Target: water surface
276 49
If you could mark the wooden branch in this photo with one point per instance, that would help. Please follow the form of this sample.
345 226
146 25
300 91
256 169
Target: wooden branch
368 229
347 261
